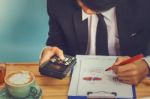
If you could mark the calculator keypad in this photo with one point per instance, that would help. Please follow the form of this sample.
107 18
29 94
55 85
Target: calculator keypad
67 61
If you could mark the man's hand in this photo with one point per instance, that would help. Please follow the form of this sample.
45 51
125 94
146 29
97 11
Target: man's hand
132 73
48 52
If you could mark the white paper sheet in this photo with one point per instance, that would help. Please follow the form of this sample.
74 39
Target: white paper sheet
94 66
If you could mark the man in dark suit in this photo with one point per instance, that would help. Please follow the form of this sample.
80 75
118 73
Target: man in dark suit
101 27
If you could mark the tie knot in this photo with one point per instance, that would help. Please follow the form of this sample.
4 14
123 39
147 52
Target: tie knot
100 16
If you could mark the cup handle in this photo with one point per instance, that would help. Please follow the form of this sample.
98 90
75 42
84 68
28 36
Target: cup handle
35 91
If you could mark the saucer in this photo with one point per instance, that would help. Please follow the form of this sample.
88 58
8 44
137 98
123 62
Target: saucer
3 92
5 95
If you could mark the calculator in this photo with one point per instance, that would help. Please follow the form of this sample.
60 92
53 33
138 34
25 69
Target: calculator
56 67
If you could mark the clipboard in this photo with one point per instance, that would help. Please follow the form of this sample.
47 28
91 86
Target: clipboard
81 89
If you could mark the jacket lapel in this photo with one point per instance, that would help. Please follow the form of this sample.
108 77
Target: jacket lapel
81 29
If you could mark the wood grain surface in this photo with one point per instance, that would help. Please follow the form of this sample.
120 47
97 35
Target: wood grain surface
57 89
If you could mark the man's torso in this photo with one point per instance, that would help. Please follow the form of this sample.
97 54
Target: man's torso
133 24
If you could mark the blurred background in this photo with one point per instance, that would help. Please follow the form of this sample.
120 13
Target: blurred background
23 30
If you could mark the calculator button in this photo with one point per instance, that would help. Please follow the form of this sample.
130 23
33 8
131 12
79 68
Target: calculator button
73 58
58 59
53 60
66 59
66 63
69 62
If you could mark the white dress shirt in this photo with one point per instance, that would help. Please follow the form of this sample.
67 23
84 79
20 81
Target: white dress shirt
113 40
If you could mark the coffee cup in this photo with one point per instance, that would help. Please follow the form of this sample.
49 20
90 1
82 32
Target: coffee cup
22 84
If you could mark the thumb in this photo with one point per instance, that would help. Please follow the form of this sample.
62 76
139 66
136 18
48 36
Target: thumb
120 59
46 55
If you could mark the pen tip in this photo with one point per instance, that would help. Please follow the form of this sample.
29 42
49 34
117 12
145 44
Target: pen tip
108 69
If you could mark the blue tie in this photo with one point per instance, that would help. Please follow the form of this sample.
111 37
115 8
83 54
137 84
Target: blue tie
101 37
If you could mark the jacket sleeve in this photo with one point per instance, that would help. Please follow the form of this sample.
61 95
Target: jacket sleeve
56 35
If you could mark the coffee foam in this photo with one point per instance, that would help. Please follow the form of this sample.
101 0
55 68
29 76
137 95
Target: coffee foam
19 78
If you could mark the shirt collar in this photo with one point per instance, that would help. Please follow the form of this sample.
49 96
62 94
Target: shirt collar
109 14
84 15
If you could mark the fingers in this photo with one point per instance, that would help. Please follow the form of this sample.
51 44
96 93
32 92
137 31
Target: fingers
130 77
58 52
121 59
130 80
132 73
49 52
123 68
127 73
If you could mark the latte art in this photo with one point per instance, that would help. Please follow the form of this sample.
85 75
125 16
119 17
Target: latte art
19 78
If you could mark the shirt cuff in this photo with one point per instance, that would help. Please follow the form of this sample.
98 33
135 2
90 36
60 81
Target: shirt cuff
147 59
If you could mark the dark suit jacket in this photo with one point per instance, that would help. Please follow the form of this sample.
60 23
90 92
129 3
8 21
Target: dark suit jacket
68 31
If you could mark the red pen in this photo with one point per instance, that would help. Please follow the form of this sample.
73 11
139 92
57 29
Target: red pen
131 60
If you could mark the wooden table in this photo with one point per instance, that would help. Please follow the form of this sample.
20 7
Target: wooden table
58 89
